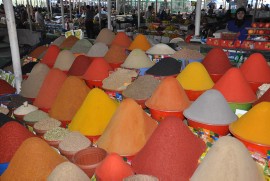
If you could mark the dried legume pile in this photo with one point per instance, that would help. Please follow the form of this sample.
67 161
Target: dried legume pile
35 116
187 54
47 124
141 88
74 142
56 134
119 79
166 66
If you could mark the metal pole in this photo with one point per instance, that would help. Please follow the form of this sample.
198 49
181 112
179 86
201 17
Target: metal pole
255 11
198 17
29 17
70 12
62 14
124 6
109 6
139 14
14 47
99 14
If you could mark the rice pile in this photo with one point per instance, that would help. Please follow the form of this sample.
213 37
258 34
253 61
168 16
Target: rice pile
160 49
47 124
105 36
142 88
119 79
187 54
137 59
98 50
81 46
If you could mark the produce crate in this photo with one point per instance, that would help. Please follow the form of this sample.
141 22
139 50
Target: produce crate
262 45
213 41
227 43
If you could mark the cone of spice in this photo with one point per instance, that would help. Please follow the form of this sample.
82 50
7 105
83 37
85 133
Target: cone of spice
216 62
256 69
264 98
195 77
32 85
98 50
121 39
94 114
234 87
160 49
6 88
113 168
51 55
173 99
105 36
12 134
37 53
34 160
165 67
69 99
115 55
228 159
64 60
79 66
140 42
127 137
68 42
254 125
137 59
50 88
98 70
178 158
81 46
67 171
58 41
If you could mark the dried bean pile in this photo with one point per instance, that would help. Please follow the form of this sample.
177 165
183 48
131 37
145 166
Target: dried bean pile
187 54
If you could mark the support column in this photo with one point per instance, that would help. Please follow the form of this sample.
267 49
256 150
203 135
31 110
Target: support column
198 17
139 13
62 14
109 9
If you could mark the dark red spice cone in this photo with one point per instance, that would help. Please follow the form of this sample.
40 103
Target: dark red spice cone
80 65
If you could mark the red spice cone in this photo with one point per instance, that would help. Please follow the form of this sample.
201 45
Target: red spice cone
51 55
234 87
121 39
113 168
171 153
80 65
6 88
216 61
256 69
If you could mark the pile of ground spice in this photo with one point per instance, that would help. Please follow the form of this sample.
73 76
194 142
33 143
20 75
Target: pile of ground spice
6 88
32 85
68 42
216 61
69 99
142 88
121 39
160 49
234 87
81 46
37 53
64 60
256 69
98 50
34 160
58 41
137 59
98 70
51 55
12 134
113 168
140 42
254 125
67 171
119 79
116 54
165 67
228 159
105 36
178 158
173 99
50 88
79 66
195 77
127 137
35 116
94 114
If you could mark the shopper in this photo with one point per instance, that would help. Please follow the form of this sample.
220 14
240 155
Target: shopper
239 24
89 25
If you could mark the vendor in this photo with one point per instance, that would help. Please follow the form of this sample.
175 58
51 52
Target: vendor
239 24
